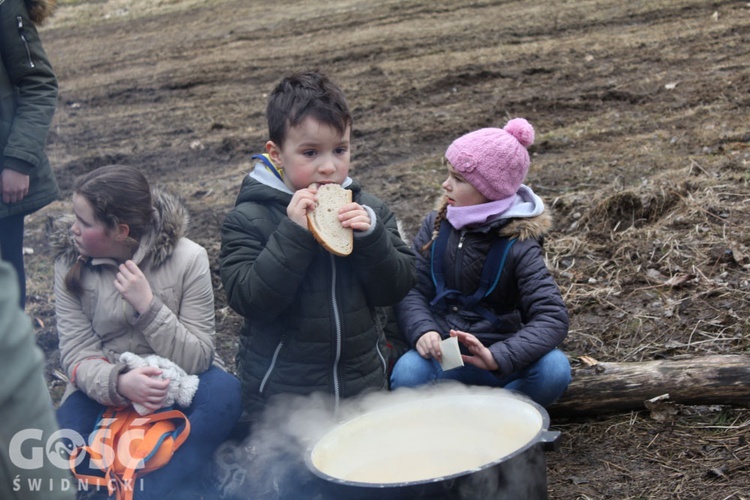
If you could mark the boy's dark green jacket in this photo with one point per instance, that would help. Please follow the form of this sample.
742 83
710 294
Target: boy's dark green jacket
311 319
28 97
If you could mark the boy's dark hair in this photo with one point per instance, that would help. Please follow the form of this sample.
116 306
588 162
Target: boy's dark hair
306 94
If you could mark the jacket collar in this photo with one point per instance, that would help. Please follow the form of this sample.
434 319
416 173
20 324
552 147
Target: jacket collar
256 184
521 228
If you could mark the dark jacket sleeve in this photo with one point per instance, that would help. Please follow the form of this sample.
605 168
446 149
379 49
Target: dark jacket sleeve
27 74
414 314
383 261
543 312
261 278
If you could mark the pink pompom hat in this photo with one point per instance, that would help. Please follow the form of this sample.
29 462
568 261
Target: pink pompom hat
494 160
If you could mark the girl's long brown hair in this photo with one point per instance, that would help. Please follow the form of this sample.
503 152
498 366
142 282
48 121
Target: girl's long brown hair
118 194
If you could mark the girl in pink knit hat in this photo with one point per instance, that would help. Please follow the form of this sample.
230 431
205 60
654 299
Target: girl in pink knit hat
482 276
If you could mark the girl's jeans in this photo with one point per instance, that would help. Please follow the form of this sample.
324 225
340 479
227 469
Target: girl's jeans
215 409
543 381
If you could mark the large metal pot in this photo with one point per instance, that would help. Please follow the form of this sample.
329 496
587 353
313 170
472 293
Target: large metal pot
439 445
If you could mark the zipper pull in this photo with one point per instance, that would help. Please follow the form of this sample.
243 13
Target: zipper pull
461 240
19 22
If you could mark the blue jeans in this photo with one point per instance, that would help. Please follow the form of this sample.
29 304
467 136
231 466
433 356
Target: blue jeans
544 381
11 249
215 409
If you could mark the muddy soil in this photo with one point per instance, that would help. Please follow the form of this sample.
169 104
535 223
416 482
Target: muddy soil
641 111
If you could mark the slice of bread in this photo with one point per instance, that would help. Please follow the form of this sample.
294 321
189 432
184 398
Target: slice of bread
324 223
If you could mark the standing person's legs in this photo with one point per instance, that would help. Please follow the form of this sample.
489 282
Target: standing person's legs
213 413
11 248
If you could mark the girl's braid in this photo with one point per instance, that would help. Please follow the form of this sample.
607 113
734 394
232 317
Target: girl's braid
438 220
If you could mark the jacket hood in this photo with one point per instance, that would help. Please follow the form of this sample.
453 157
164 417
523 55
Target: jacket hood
171 221
521 228
40 10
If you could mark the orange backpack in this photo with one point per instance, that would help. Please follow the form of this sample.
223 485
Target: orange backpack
126 445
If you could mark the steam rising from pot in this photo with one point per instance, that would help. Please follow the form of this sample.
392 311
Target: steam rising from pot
270 462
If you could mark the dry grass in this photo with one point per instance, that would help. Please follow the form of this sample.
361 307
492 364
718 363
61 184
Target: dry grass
702 452
652 272
670 258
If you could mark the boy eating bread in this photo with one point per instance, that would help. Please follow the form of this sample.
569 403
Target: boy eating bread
311 315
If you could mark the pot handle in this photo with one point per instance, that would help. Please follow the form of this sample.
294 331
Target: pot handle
550 440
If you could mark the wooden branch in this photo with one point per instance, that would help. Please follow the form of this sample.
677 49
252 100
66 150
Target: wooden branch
616 387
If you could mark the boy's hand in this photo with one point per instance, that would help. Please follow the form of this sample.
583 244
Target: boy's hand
303 201
354 215
134 287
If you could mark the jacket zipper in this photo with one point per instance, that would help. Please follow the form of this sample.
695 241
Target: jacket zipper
380 355
273 364
458 262
337 322
19 20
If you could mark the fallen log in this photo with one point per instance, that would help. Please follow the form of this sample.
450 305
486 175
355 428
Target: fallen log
608 387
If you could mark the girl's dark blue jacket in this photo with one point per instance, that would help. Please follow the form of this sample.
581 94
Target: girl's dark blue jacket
533 316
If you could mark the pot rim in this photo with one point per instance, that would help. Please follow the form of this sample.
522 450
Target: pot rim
544 435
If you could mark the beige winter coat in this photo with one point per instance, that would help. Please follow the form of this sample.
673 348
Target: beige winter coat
97 327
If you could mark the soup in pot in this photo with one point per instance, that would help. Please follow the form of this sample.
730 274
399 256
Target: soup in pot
427 438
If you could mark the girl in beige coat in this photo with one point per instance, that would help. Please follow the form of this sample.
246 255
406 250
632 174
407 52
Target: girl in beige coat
127 280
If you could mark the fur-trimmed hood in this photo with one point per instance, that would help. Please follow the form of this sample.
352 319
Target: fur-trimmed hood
40 10
171 220
523 229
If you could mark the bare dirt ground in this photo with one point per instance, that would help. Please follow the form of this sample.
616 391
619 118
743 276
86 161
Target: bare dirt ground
641 111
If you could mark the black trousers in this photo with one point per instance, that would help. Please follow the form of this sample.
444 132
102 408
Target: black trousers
11 249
